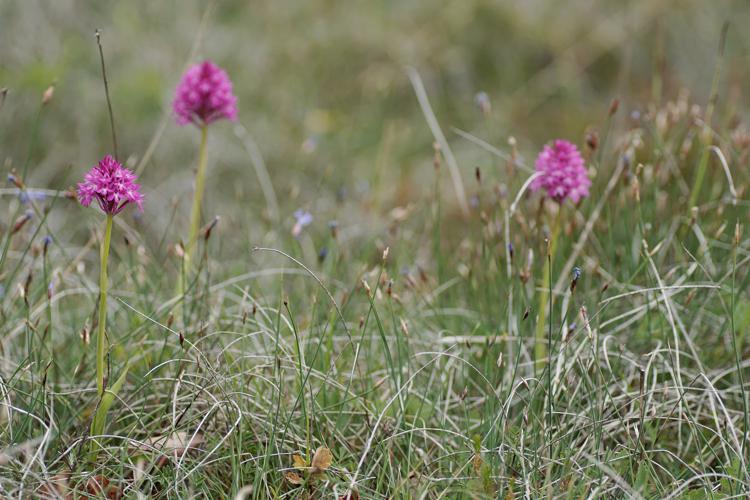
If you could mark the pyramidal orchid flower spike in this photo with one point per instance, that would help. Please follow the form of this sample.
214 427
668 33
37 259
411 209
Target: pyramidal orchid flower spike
111 185
561 172
204 95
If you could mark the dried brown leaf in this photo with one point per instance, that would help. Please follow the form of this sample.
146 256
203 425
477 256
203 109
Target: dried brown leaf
299 462
322 459
293 478
476 462
177 442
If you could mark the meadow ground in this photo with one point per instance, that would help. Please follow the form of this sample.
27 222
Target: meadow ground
377 305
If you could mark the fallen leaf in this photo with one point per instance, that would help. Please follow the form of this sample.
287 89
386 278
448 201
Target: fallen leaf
179 441
299 462
322 459
176 442
293 478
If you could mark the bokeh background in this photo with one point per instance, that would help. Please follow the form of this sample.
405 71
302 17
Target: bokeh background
325 99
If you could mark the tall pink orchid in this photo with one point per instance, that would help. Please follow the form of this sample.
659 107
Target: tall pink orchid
561 173
113 187
203 96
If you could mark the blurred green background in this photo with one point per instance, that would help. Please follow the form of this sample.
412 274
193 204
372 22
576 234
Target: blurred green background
324 95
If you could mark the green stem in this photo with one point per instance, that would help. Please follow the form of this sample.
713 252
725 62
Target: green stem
549 365
540 348
736 346
200 182
102 307
195 220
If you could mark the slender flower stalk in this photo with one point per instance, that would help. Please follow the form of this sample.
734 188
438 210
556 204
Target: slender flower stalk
540 349
104 255
200 183
113 187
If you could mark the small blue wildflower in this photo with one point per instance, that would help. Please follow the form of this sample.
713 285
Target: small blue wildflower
46 242
576 277
303 219
474 201
482 101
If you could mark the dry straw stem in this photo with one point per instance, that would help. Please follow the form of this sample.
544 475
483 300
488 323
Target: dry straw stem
432 122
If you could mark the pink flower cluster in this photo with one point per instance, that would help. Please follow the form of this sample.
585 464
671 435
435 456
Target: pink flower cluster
562 172
204 95
110 184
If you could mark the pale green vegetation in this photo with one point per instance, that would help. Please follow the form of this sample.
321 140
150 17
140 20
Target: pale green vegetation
398 330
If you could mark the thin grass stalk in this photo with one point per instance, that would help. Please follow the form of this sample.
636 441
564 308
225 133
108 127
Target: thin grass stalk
549 371
707 134
735 347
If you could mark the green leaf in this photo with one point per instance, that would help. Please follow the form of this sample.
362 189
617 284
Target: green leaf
100 418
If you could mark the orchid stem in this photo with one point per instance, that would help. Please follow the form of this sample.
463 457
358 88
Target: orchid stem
200 182
102 307
540 347
195 217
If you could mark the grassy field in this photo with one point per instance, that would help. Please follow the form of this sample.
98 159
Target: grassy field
437 330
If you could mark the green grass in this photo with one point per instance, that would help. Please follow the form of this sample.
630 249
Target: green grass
406 336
